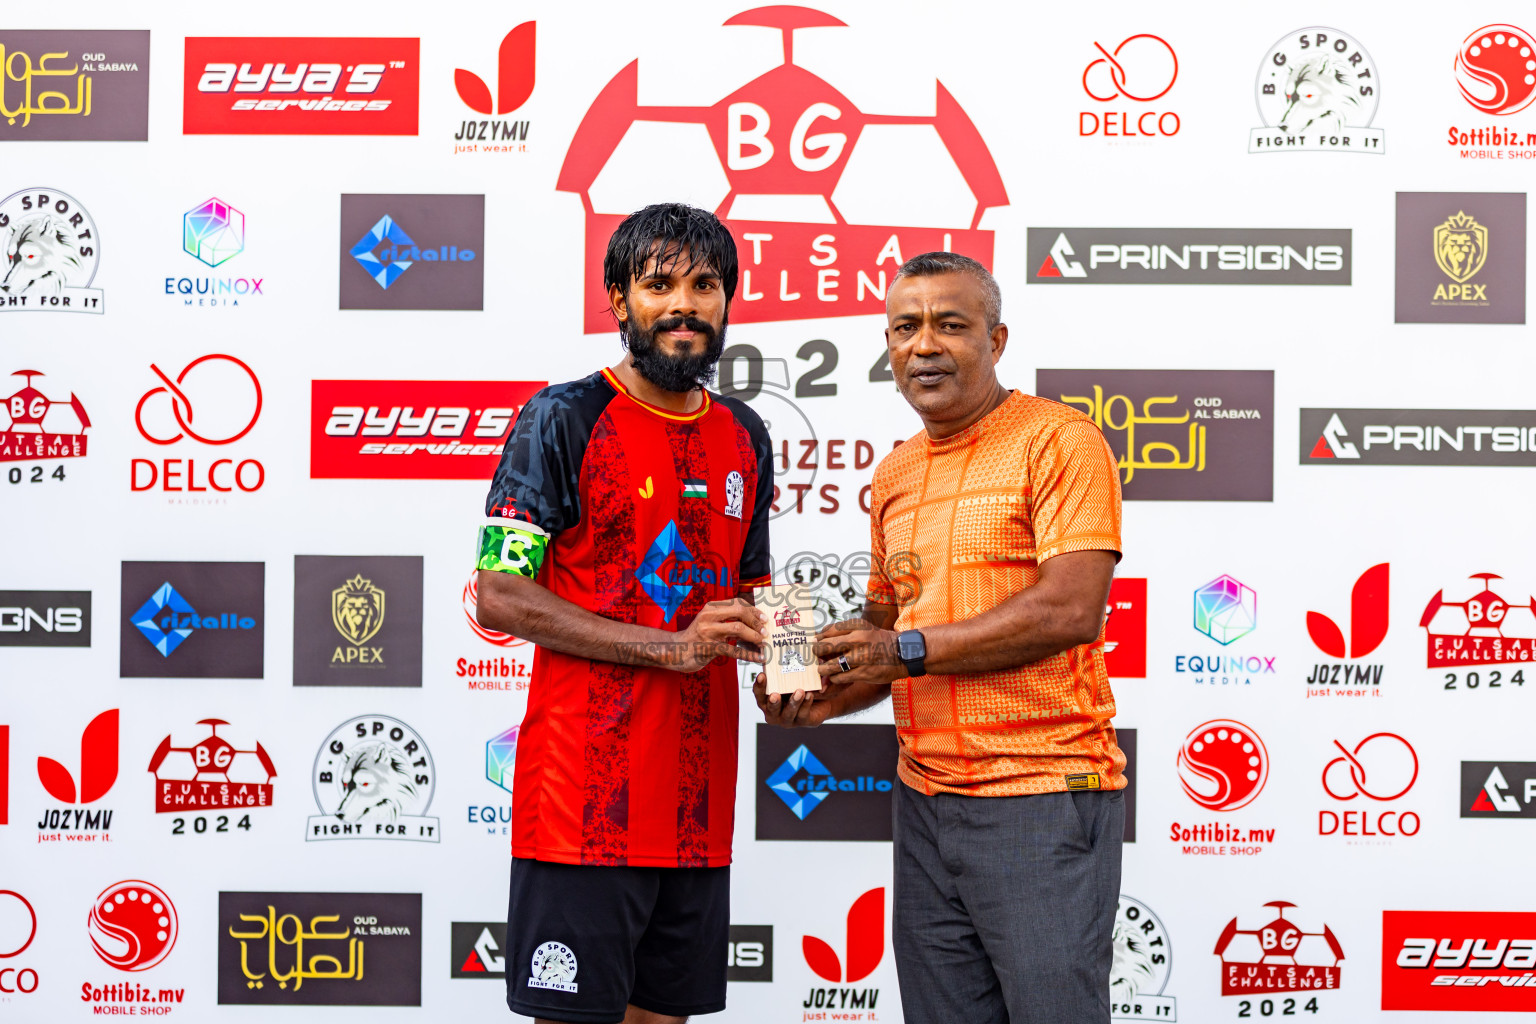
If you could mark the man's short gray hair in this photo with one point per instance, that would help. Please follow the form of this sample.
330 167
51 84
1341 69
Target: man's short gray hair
930 264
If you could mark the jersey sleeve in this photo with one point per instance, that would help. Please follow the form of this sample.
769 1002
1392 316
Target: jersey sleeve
756 560
535 492
1075 485
878 589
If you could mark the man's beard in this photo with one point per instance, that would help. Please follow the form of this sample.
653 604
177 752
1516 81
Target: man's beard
682 372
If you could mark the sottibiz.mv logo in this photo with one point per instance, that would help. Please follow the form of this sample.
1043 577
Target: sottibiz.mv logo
815 191
1494 69
863 951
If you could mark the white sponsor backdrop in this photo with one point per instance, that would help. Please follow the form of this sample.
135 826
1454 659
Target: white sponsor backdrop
1016 72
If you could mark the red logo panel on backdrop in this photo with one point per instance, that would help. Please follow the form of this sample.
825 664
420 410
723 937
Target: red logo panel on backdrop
816 192
300 86
411 429
1461 961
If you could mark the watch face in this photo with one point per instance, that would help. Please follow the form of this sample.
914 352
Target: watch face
910 646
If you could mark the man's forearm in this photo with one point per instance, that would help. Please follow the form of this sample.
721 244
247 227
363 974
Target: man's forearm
1026 628
529 611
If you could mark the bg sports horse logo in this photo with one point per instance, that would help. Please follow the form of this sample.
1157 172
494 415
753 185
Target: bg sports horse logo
805 184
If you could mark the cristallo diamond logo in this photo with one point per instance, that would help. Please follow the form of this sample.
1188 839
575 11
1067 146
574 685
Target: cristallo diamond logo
169 631
667 547
802 766
1226 610
368 248
213 232
443 250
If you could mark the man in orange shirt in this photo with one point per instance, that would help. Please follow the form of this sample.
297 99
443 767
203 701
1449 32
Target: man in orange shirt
995 533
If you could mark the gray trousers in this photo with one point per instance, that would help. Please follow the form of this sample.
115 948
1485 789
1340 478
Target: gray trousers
1004 906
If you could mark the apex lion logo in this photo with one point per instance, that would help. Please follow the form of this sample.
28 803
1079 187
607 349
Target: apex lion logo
357 610
378 784
1318 92
42 256
1461 247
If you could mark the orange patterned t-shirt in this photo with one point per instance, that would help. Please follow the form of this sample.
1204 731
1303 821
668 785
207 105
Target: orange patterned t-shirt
958 526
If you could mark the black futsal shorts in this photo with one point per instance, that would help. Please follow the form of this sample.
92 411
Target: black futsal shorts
583 942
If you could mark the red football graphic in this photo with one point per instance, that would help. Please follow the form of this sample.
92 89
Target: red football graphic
133 925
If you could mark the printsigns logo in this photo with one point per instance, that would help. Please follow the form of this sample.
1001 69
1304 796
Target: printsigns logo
514 84
1179 435
806 175
1498 789
74 86
749 953
1461 257
1223 765
1274 256
1142 68
300 86
319 948
1458 961
194 620
38 427
478 950
1317 92
211 775
446 241
52 251
373 779
1143 960
851 764
133 925
45 618
357 620
1418 437
1485 629
1277 957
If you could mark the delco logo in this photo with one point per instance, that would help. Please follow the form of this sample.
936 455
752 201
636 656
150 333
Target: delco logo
412 429
301 86
814 190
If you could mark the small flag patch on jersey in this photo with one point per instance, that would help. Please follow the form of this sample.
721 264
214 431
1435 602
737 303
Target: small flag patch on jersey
1089 781
695 489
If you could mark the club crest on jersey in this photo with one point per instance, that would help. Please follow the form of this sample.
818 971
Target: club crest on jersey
735 488
695 489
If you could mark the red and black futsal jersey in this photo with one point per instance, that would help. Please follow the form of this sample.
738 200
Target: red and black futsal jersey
640 515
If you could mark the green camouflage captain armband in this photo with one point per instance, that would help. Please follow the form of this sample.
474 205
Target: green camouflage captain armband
508 545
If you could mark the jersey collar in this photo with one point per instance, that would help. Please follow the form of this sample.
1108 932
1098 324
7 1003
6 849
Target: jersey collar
667 414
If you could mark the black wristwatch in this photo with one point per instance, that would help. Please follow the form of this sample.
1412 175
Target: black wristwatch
912 649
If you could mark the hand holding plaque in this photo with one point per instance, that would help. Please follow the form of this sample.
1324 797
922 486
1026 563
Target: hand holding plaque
790 662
